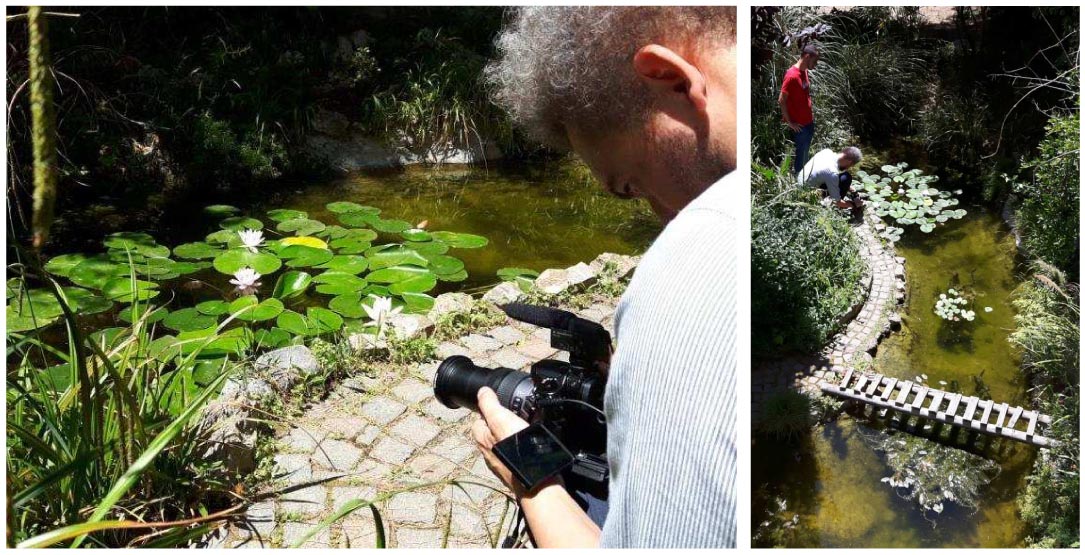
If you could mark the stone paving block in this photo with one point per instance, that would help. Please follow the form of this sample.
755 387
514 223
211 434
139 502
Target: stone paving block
303 439
507 335
413 391
510 358
419 537
447 349
430 467
414 507
383 410
467 522
341 495
293 468
367 435
415 430
260 518
457 447
308 501
345 427
428 370
537 349
293 532
337 455
358 530
478 343
435 409
371 471
391 451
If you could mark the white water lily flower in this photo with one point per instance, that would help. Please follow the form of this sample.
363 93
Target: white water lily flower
246 280
937 508
381 309
942 296
958 191
251 238
900 191
988 309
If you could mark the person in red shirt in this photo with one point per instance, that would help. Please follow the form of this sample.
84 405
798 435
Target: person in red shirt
796 105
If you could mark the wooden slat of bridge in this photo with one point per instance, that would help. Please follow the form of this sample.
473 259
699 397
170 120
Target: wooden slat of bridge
864 387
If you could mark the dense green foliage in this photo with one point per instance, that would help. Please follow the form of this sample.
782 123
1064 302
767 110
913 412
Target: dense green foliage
164 107
1048 333
787 415
805 274
1047 215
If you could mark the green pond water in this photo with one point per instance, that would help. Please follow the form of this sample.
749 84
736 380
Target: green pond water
536 216
830 479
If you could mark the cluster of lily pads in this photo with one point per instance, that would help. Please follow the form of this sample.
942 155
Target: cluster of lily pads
908 198
952 305
303 277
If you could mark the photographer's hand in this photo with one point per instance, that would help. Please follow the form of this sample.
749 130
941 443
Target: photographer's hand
554 517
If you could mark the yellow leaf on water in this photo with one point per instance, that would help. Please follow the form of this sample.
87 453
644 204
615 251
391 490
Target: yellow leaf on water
307 241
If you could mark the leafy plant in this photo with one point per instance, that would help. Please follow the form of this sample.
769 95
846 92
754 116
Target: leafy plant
951 306
787 415
907 197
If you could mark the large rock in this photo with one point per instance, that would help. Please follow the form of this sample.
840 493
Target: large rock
407 326
621 263
227 435
506 292
284 366
552 281
331 123
451 302
581 273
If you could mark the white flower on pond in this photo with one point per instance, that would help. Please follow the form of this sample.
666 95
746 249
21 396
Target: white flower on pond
988 309
381 309
900 191
958 191
251 238
942 296
246 280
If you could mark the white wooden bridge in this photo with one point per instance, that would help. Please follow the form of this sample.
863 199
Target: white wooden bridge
970 413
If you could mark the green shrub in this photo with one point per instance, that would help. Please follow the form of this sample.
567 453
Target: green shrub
1048 332
805 274
1047 215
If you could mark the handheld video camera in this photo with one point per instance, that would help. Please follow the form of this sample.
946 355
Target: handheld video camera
563 402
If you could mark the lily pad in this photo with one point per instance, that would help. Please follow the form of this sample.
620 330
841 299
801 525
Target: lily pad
386 256
271 339
126 290
305 241
396 274
339 283
303 226
334 232
390 226
196 251
62 265
461 240
417 303
94 271
240 223
233 260
417 284
301 256
259 311
349 263
134 312
323 320
358 219
213 307
284 214
291 284
294 323
427 248
83 301
223 236
188 319
348 305
37 303
441 264
454 277
342 207
416 235
220 210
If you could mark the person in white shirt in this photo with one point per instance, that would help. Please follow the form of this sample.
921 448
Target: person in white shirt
828 169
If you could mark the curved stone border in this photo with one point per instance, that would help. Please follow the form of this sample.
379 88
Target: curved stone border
375 435
853 347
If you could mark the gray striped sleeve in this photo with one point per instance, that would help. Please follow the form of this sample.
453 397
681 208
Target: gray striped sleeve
671 398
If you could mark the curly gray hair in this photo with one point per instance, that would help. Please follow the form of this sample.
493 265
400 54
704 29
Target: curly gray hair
560 64
852 153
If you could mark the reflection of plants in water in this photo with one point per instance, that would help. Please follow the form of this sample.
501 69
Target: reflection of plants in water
930 474
908 198
787 415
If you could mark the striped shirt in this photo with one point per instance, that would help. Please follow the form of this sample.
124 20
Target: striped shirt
671 400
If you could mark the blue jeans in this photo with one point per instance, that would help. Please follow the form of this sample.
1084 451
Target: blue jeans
802 139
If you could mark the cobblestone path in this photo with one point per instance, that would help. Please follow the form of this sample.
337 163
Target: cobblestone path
884 290
372 436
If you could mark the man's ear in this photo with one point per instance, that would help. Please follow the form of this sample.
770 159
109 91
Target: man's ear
667 73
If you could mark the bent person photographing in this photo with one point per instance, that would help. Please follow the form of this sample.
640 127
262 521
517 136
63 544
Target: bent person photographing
646 96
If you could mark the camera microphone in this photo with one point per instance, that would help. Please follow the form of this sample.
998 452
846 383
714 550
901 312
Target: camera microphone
541 316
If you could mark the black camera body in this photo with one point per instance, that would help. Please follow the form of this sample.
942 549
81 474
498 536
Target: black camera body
564 397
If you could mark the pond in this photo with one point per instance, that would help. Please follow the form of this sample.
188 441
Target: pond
536 215
829 484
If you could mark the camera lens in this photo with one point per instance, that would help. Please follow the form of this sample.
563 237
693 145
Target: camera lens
458 380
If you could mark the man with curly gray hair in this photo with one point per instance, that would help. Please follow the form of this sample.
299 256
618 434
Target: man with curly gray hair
646 96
